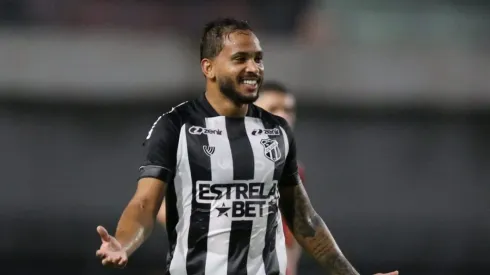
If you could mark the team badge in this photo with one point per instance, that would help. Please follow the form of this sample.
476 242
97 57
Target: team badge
271 149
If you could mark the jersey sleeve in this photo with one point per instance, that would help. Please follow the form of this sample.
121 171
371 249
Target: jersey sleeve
290 174
161 148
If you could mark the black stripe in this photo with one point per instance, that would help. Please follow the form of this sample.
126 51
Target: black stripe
200 166
243 169
269 255
241 149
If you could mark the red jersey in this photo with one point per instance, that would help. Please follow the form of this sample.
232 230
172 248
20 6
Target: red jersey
287 233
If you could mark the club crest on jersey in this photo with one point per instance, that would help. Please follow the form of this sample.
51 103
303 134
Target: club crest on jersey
209 150
271 149
269 132
197 130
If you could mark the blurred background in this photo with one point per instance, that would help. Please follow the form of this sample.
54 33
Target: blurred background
394 120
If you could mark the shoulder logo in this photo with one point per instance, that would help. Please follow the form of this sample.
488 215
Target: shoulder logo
271 149
209 150
197 130
268 132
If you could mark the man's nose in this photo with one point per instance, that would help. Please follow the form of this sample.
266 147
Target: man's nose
253 67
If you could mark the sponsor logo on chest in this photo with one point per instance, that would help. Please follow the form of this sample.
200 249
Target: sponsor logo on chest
240 200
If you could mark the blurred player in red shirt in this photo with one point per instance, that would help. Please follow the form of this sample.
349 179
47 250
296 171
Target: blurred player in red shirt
276 99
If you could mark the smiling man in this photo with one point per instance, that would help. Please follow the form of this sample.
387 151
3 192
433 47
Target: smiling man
225 168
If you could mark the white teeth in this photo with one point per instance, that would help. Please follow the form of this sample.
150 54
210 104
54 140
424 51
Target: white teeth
250 82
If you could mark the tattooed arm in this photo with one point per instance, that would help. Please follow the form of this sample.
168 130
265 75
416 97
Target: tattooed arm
309 229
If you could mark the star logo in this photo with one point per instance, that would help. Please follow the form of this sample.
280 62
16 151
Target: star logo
223 210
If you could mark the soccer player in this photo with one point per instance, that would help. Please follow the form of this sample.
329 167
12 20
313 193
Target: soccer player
222 164
276 99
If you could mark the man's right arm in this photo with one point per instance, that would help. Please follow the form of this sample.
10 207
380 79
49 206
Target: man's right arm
158 170
138 218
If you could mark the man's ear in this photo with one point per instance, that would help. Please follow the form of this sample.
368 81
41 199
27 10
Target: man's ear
208 68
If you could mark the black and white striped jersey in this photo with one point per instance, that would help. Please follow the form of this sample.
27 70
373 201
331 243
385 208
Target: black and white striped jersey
222 178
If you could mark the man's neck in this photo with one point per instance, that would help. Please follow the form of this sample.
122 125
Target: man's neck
224 106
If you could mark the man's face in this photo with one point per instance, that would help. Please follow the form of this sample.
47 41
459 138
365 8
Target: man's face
279 104
239 67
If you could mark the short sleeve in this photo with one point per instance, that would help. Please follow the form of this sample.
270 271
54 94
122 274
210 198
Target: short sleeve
290 174
161 148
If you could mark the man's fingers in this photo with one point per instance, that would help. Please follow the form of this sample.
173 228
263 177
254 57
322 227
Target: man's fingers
123 262
108 261
99 253
118 262
105 261
103 234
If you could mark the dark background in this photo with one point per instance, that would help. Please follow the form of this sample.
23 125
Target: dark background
393 127
404 189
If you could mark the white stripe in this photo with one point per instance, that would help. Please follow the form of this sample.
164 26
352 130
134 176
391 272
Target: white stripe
281 247
222 172
183 190
264 172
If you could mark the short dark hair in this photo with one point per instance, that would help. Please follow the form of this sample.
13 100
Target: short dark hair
215 31
273 86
